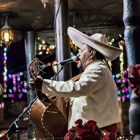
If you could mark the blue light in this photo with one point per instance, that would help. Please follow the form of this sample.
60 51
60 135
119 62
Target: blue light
10 76
5 57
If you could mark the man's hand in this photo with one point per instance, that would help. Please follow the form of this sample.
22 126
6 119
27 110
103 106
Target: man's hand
1 89
36 84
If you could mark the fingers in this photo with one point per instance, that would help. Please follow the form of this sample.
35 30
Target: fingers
36 83
31 81
39 77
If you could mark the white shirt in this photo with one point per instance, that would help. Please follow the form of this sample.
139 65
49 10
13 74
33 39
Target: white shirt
95 95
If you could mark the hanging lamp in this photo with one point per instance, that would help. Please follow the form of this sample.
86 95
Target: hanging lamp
7 35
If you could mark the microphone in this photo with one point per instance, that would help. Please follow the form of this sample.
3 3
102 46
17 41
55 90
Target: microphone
73 59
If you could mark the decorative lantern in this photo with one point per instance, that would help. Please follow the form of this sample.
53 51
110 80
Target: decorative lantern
7 35
44 2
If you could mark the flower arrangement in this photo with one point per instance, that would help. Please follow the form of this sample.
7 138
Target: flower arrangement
134 80
87 131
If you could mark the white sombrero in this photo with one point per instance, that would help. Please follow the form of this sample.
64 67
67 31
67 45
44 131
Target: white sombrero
97 41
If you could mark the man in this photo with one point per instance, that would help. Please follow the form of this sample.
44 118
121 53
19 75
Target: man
94 95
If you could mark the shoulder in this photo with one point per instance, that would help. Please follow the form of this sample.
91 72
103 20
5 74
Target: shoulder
97 65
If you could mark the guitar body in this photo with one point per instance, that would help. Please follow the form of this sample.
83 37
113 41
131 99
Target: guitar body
48 119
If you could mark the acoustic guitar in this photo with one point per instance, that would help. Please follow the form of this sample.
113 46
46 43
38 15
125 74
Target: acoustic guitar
49 114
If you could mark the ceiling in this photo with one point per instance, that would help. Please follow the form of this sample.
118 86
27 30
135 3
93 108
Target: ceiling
25 15
30 15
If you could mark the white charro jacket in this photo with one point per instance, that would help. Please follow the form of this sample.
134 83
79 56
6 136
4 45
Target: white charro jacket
93 96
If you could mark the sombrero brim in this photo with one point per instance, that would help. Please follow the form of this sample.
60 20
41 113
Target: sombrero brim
80 38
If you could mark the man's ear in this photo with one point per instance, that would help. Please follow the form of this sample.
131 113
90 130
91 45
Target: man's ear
93 52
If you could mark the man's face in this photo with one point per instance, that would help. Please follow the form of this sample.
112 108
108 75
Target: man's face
84 57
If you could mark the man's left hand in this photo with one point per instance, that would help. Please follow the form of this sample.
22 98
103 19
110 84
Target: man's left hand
36 84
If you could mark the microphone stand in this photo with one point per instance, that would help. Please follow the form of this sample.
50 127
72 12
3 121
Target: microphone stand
54 77
16 122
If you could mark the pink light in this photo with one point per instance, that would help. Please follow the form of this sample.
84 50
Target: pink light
123 97
20 95
126 71
1 105
126 89
119 98
19 90
5 78
11 95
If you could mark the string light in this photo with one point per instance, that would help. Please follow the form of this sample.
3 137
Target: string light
121 58
5 69
19 86
2 105
19 79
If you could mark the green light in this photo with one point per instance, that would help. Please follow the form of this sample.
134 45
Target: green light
4 95
10 90
21 73
119 92
43 66
51 78
16 125
5 49
5 68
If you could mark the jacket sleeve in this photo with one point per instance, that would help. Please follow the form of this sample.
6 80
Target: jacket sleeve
90 81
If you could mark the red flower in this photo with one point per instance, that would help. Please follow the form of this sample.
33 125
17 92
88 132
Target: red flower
91 125
79 122
134 80
87 131
70 136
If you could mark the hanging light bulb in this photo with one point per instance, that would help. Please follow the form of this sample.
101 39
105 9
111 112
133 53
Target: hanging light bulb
45 2
7 35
